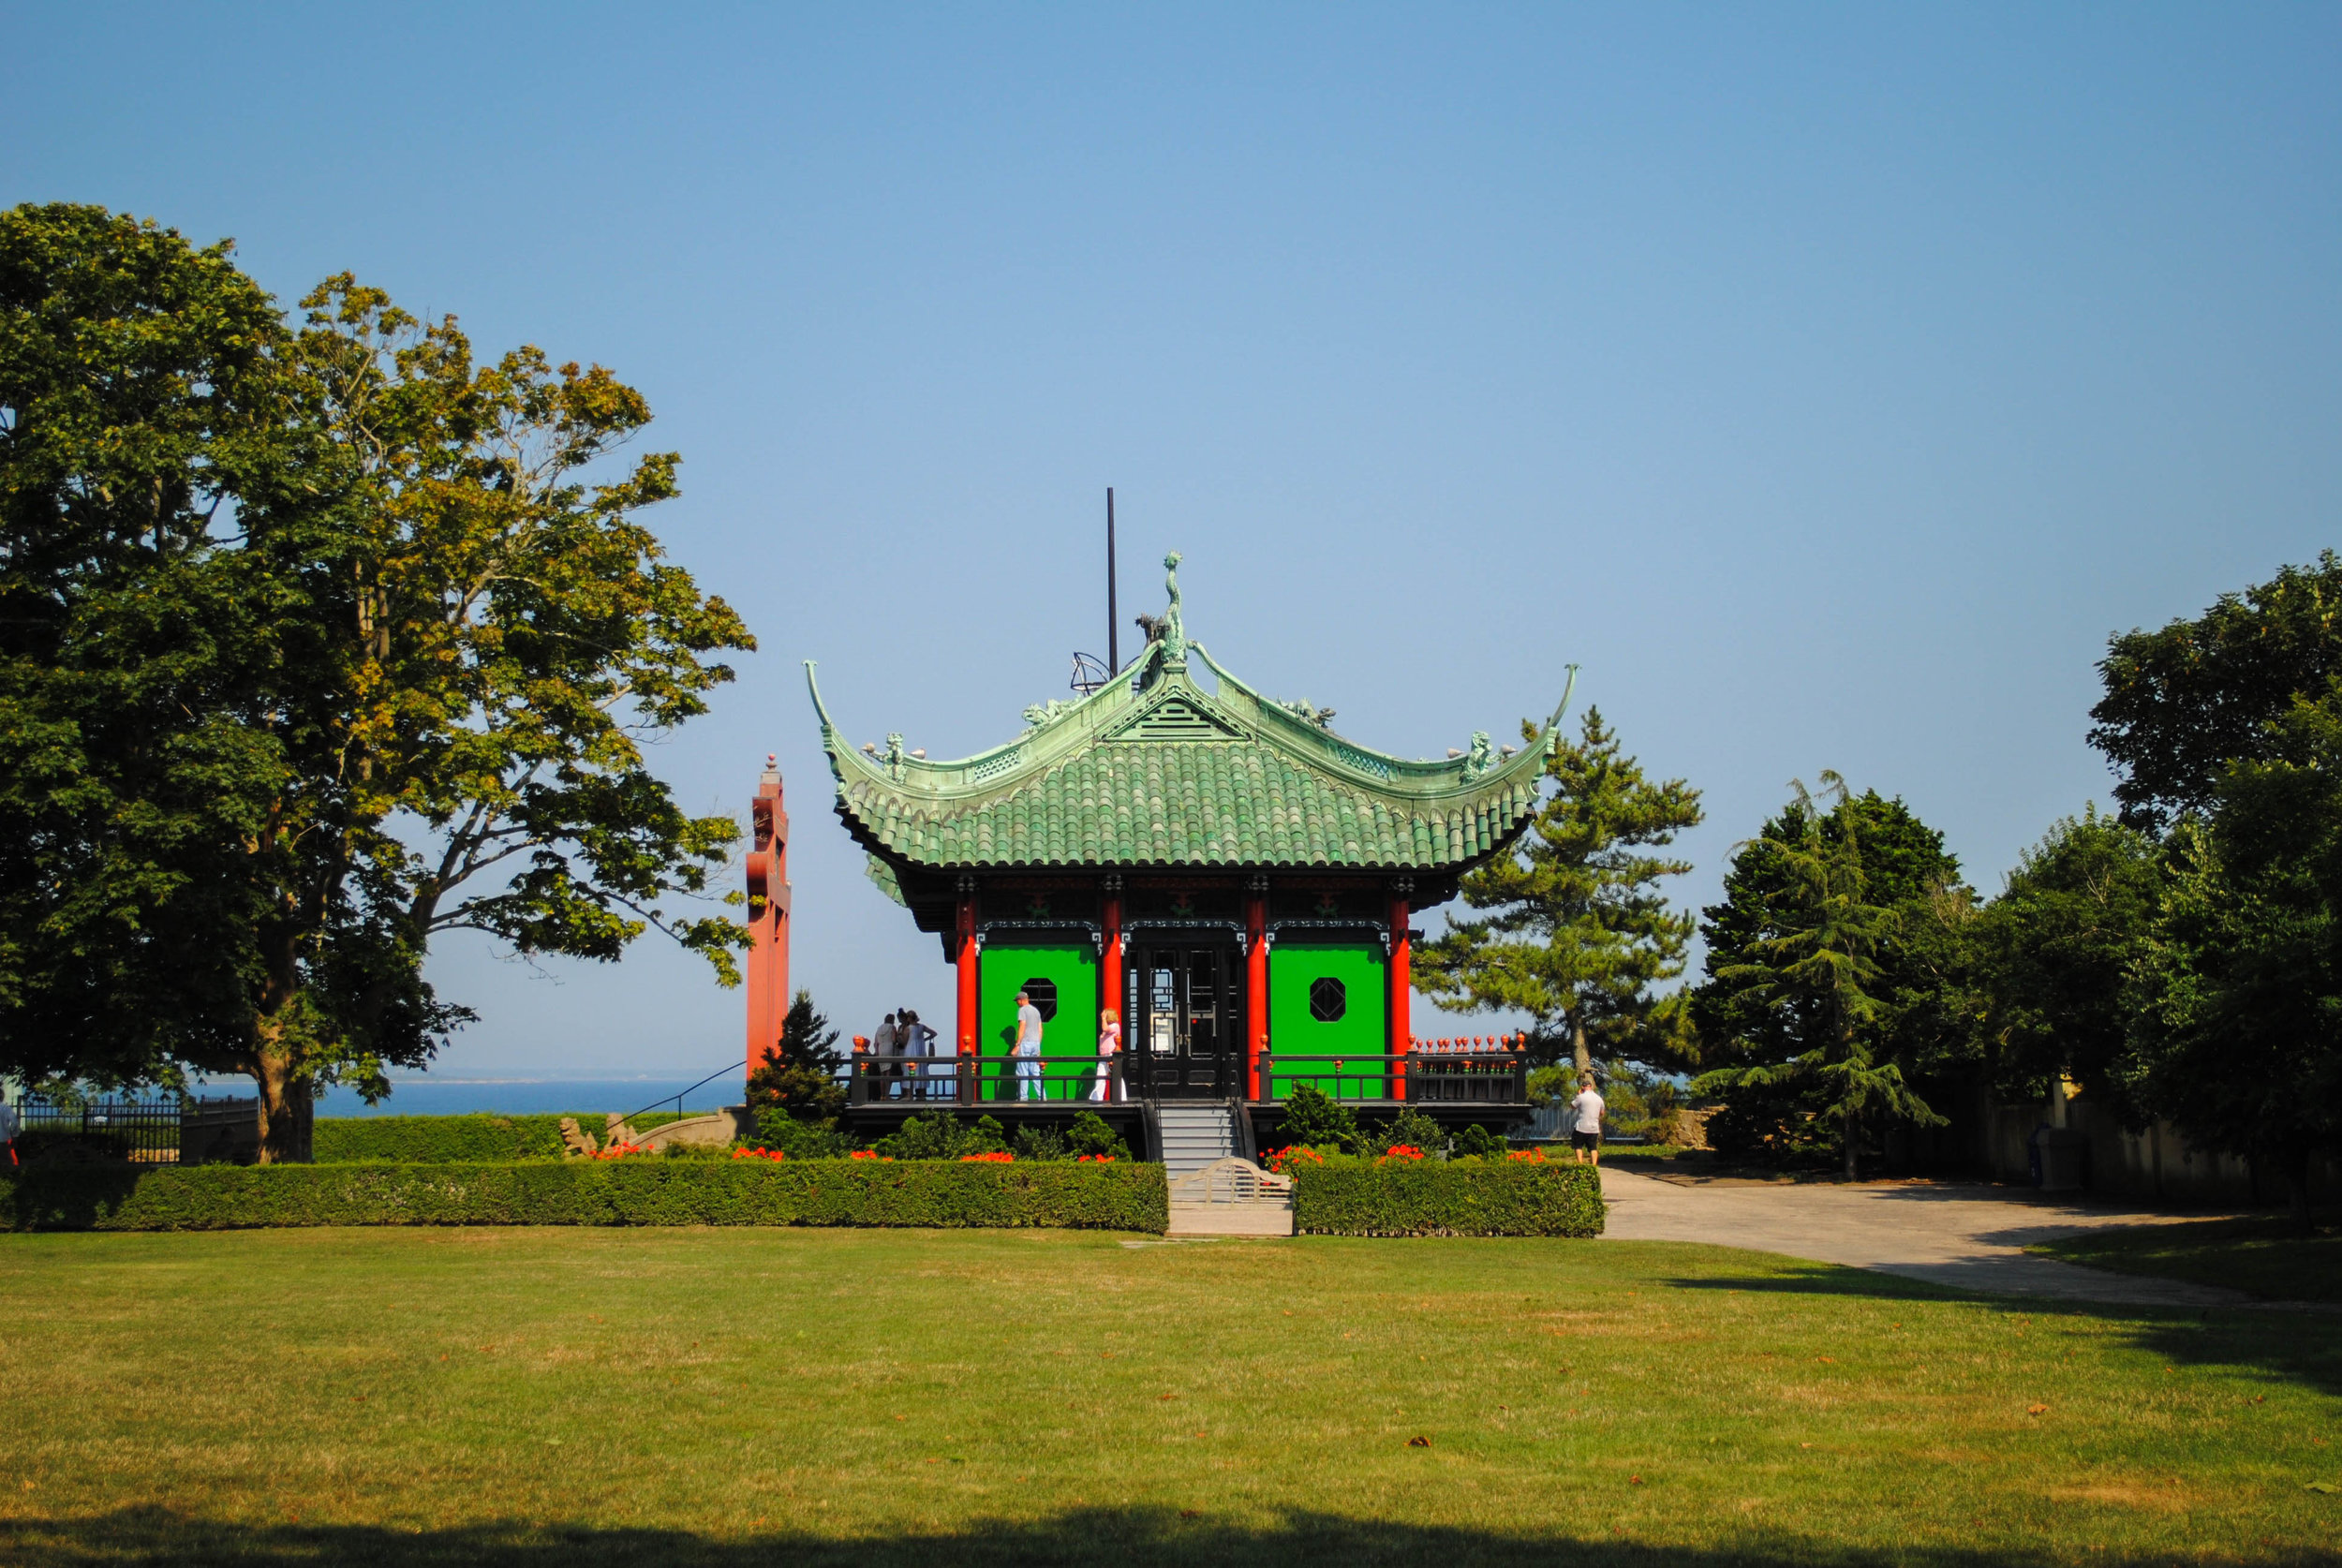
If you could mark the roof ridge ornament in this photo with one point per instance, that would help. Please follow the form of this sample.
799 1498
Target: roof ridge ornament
1174 625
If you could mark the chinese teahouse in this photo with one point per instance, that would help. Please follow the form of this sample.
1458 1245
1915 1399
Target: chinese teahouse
1222 868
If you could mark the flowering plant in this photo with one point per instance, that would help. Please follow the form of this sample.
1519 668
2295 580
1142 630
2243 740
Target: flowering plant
1094 1160
998 1157
1399 1151
1281 1161
870 1154
757 1154
1527 1156
619 1151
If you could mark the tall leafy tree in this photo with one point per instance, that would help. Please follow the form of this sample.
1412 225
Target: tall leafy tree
141 398
2180 702
2236 1001
2054 955
1578 932
429 634
1811 965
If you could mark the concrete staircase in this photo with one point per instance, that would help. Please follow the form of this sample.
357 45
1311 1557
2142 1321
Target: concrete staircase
1216 1189
1195 1134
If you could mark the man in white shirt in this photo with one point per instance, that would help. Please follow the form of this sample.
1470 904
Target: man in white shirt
1028 1084
1585 1128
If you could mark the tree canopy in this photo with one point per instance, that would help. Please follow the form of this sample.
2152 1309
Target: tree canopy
2184 702
1578 932
1815 958
334 639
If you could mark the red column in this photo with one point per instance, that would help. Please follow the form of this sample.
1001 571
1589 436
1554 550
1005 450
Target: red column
1256 988
967 953
1110 960
769 918
1402 988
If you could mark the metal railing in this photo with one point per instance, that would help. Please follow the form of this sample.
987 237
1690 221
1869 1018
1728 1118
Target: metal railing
1486 1078
981 1080
660 1104
114 1127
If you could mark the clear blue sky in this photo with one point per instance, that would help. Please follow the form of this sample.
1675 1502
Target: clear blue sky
1828 382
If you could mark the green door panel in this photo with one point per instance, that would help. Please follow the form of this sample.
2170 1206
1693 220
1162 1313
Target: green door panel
1295 1030
1003 969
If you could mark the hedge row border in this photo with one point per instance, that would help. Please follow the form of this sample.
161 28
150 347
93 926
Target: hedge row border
1448 1198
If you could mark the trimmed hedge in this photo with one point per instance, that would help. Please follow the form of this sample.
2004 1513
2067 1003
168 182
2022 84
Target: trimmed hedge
440 1140
1121 1197
1447 1198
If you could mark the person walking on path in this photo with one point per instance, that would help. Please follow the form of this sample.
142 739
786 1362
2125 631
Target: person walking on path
1109 1046
1585 1128
1028 1084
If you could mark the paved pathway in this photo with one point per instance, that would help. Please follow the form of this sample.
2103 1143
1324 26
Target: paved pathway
1972 1237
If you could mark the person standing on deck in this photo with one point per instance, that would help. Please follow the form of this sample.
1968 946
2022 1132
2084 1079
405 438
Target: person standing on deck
1109 1046
1585 1134
887 1042
1028 1084
918 1041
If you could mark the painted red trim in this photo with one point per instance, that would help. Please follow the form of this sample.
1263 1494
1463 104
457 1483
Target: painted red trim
1255 990
1110 965
767 869
1402 998
966 958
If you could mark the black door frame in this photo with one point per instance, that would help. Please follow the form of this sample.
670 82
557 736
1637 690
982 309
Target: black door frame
1183 1072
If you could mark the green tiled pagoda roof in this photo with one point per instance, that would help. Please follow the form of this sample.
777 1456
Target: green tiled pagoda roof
1173 776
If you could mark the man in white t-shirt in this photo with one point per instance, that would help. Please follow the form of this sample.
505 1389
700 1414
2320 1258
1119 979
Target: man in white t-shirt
1028 1084
1585 1127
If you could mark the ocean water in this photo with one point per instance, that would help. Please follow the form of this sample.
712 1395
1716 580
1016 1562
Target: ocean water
440 1097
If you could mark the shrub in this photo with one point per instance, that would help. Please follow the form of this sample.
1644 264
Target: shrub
1037 1142
943 1136
1477 1141
1065 1195
1313 1117
1410 1128
1430 1198
801 1139
340 1140
1089 1138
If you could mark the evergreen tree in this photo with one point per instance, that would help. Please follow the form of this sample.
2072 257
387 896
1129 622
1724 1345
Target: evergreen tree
800 1076
1804 956
1576 932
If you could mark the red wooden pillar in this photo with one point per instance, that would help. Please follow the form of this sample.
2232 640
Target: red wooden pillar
1401 987
1110 959
1255 985
769 918
968 948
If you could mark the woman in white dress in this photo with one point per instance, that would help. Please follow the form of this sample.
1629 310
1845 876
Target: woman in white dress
1109 1046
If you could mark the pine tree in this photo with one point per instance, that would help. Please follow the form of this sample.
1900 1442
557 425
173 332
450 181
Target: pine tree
801 1076
1578 933
1810 973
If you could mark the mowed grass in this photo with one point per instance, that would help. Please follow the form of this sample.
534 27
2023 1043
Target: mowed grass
582 1397
2263 1254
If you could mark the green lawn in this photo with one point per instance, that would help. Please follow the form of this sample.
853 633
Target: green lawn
2263 1254
571 1398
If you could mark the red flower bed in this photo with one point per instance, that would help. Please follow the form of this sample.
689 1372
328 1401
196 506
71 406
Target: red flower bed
1094 1160
1000 1158
1399 1151
1282 1160
757 1154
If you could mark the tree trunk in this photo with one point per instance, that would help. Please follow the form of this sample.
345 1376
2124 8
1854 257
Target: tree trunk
2297 1179
1853 1146
287 1107
1578 1041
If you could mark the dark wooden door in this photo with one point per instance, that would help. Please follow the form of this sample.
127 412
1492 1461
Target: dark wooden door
1185 1016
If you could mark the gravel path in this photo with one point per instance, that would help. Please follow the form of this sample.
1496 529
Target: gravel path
1971 1238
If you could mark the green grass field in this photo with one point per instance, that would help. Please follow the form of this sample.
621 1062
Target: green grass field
2263 1254
827 1397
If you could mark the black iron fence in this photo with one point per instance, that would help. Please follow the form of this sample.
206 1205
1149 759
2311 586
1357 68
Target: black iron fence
155 1131
1482 1079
